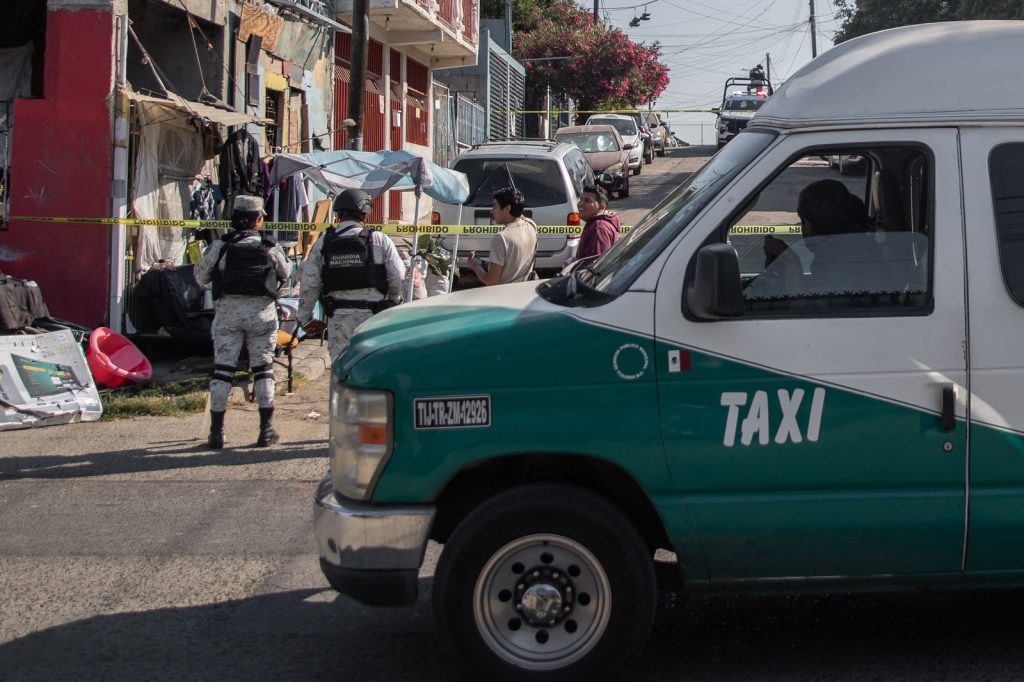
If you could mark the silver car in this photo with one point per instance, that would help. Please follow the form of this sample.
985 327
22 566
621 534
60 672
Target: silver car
551 175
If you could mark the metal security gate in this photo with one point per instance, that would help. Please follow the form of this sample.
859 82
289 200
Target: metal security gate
506 95
444 126
470 122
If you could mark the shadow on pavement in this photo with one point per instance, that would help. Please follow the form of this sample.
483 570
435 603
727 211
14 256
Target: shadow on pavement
182 454
306 634
291 635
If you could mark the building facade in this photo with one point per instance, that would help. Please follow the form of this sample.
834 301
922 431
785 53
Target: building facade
119 109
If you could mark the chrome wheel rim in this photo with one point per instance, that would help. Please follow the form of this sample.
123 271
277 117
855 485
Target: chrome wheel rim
542 602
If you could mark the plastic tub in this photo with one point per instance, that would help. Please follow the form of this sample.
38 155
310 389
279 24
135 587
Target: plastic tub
114 360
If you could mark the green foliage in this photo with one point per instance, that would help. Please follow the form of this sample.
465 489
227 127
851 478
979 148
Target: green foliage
521 9
860 17
438 259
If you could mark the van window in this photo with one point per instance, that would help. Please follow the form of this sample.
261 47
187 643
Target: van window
1006 170
816 241
538 179
614 271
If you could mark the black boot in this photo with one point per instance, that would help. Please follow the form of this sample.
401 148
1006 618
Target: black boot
267 434
216 439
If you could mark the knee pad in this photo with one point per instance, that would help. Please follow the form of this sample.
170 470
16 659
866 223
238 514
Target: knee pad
224 373
263 372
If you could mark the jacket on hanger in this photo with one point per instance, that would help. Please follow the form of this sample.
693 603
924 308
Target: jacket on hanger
240 165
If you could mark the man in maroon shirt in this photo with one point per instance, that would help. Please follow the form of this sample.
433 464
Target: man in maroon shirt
601 229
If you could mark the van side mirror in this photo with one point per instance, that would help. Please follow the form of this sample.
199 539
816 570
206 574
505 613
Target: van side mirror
716 291
627 147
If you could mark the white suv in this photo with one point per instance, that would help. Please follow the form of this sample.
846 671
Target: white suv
551 175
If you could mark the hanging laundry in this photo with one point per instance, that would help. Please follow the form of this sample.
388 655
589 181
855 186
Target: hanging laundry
202 205
293 199
240 171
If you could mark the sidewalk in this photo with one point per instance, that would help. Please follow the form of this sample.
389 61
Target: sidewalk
310 359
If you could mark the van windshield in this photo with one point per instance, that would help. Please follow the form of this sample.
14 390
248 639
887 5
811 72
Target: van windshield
613 272
537 179
743 104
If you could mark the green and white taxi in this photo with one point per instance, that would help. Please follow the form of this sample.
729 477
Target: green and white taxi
850 425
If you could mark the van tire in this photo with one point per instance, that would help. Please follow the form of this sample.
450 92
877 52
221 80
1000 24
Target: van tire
570 543
638 169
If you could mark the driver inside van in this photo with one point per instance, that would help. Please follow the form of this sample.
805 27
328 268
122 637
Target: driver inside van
829 217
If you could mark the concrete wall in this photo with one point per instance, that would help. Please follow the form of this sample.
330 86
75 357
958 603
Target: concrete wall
61 166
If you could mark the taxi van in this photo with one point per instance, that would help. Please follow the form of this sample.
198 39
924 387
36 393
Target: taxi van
680 416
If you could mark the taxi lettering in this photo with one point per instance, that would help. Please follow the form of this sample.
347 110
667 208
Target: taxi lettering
757 422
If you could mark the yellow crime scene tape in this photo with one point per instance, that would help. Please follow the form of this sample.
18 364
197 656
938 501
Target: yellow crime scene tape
387 228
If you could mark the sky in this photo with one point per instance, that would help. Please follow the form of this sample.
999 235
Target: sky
706 41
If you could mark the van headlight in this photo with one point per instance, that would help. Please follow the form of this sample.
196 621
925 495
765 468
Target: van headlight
361 439
614 168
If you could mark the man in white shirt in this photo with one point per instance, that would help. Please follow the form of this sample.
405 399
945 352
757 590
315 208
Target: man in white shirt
514 249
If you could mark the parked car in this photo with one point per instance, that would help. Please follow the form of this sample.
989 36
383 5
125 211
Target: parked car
863 435
646 133
550 174
661 136
848 164
735 114
605 151
630 132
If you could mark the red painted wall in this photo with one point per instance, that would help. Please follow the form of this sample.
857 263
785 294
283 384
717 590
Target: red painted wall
61 166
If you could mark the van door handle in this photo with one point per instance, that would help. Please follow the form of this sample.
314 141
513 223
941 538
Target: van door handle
948 406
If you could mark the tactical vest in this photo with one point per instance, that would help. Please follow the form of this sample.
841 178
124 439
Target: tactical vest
248 268
348 263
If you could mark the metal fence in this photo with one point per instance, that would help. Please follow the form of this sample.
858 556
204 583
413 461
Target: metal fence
470 122
444 126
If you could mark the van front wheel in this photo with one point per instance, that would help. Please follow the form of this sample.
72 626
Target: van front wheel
545 582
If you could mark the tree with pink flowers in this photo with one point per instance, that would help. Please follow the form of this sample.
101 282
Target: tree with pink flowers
607 69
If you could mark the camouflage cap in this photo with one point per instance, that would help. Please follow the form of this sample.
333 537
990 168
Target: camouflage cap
248 204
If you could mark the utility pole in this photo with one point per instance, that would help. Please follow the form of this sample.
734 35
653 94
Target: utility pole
508 26
768 65
358 59
814 36
595 12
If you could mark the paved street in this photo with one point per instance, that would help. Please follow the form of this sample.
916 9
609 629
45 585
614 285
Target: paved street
128 551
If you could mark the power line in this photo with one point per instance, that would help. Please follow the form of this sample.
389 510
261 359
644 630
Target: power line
616 9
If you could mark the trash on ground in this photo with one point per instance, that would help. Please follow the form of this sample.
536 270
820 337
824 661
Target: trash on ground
45 380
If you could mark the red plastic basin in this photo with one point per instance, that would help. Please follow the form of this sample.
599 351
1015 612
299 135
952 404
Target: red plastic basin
114 360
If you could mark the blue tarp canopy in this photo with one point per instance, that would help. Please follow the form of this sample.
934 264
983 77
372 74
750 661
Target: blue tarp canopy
374 173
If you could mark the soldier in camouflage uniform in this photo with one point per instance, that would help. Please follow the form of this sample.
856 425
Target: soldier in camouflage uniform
353 271
246 269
